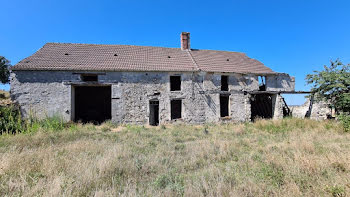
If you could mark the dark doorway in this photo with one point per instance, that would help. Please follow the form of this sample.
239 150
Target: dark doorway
154 113
224 101
92 103
176 106
261 106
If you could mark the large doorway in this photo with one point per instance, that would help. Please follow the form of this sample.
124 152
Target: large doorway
261 106
154 112
92 104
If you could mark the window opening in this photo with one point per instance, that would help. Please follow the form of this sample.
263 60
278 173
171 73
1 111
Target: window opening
89 77
262 83
175 83
224 83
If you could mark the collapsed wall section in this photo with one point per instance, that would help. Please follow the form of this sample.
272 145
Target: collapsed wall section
317 110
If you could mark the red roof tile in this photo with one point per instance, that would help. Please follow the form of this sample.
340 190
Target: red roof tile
90 57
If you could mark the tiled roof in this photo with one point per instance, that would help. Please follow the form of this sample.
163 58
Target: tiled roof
90 57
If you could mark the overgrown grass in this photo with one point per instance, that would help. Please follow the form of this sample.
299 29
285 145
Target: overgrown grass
12 123
10 120
345 120
290 157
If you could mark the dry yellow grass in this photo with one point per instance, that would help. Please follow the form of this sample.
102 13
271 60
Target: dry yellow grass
4 98
289 157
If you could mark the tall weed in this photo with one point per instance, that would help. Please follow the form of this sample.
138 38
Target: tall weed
345 120
10 120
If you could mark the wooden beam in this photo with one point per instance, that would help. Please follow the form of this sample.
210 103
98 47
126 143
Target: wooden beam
252 92
279 92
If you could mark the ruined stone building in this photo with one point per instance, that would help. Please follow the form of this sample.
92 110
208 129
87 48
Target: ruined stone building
146 85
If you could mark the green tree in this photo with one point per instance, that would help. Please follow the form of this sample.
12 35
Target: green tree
4 70
332 85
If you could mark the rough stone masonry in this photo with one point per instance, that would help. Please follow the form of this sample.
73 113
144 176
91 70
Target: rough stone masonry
45 84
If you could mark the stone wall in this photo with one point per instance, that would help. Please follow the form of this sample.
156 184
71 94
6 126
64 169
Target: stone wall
316 111
277 106
49 93
280 82
42 94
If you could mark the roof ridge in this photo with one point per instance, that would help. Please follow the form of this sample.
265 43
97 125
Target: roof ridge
142 46
110 45
214 50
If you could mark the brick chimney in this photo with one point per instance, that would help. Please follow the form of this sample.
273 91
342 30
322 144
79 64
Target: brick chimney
185 41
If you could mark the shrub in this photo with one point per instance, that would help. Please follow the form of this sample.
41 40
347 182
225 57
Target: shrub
10 120
345 120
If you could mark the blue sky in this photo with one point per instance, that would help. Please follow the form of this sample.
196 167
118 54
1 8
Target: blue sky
295 36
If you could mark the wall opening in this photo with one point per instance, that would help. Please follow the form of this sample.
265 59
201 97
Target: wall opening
92 104
262 83
175 83
154 112
224 105
261 106
285 108
89 77
176 108
224 83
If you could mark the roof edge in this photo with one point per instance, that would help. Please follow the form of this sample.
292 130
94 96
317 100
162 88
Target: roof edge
125 70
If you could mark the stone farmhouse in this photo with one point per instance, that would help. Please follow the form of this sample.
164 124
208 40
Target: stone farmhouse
147 85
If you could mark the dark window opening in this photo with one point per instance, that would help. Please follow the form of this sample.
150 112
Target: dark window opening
154 113
224 83
262 83
175 83
224 101
92 104
89 77
176 106
261 106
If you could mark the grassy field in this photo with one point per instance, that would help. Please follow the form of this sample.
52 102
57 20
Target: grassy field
289 157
